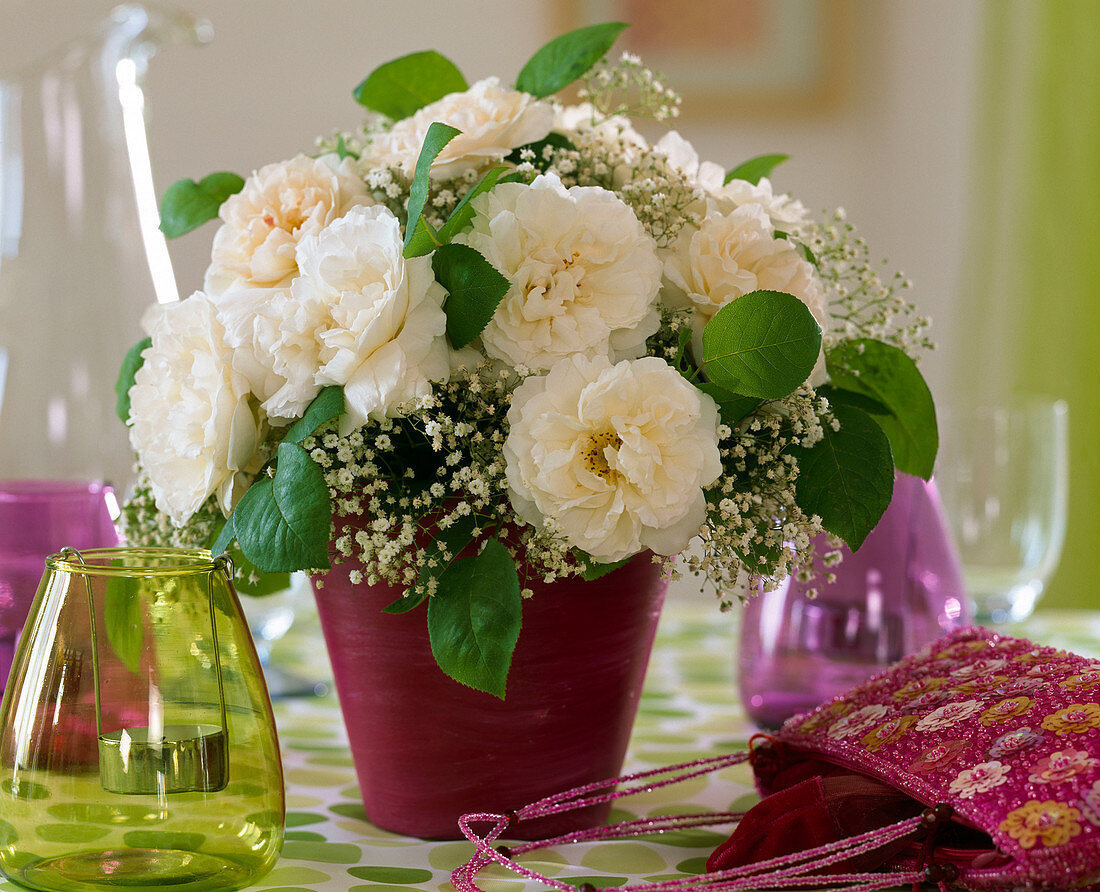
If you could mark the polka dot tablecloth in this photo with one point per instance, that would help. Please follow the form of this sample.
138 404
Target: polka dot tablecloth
689 710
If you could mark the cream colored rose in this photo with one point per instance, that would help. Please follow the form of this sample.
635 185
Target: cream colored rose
617 456
279 204
493 120
786 213
194 427
584 273
275 346
377 318
731 254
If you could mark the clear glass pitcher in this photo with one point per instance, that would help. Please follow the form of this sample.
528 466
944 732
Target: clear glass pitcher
81 255
137 742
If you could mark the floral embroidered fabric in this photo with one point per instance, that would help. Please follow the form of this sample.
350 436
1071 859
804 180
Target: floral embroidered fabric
1004 731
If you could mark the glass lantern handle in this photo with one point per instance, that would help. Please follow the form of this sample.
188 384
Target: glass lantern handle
72 554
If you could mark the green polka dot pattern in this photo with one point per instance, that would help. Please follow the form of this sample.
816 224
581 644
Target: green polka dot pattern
689 710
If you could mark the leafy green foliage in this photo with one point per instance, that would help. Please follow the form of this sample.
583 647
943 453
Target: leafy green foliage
327 405
884 374
453 539
474 619
564 59
731 407
402 87
763 345
245 570
463 213
847 478
435 139
475 289
756 168
130 365
282 523
186 205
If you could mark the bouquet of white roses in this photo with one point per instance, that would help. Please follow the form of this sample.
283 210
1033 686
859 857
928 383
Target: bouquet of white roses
493 337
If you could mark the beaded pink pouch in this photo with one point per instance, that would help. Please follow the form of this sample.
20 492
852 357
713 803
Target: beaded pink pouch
973 764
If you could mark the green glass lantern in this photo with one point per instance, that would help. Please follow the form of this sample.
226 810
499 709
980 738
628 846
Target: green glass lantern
138 746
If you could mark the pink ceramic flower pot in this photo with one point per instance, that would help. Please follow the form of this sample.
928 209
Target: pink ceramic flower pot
427 749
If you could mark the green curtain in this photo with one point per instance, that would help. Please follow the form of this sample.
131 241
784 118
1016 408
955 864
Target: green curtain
1031 301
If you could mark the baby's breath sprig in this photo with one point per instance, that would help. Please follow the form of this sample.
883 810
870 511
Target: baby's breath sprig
861 303
627 87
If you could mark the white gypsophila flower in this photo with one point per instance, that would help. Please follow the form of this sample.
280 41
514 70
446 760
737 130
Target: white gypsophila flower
492 119
731 254
279 204
193 426
616 456
584 273
378 317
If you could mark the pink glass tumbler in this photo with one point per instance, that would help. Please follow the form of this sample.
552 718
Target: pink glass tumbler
38 518
901 590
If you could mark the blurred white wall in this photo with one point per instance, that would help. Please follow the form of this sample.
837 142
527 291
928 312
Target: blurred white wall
893 152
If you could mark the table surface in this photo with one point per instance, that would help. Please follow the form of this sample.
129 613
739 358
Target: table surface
689 710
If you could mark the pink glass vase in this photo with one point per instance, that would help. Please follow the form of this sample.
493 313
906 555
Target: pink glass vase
427 749
901 590
37 518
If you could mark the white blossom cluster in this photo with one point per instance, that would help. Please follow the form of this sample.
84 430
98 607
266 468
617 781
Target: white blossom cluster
571 428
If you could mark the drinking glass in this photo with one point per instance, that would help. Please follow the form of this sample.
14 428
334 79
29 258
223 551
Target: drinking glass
1003 475
37 518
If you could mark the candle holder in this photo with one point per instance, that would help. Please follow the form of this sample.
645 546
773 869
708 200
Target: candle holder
138 744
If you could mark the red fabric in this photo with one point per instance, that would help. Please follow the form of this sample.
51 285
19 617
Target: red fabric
813 812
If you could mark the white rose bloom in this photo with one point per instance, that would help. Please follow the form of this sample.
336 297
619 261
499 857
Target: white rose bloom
193 425
682 156
493 120
731 254
275 346
584 273
279 204
378 318
785 212
616 455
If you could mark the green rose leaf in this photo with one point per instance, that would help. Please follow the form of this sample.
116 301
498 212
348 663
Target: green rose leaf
731 407
130 365
328 404
463 213
282 523
885 374
847 478
763 345
424 240
225 536
244 569
475 288
474 619
755 168
186 204
564 59
435 139
848 398
402 87
453 539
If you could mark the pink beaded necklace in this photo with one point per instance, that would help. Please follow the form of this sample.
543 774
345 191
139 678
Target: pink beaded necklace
801 870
